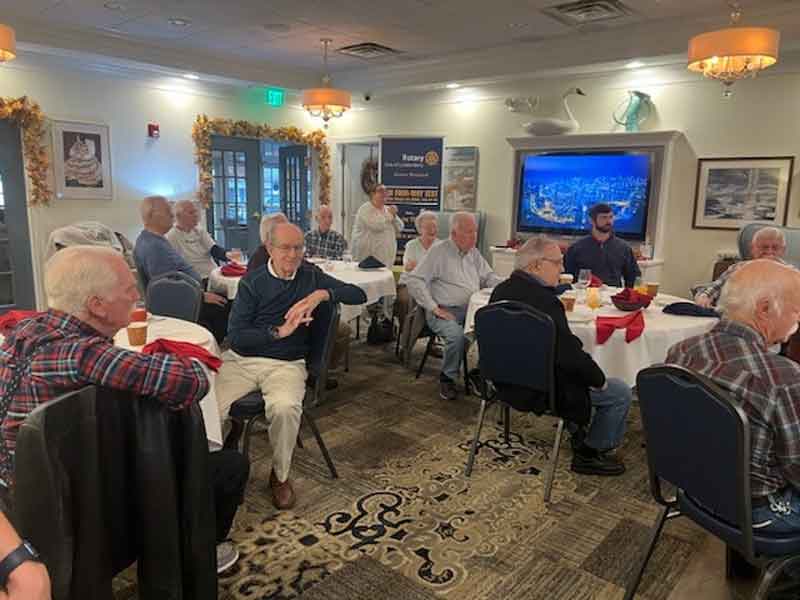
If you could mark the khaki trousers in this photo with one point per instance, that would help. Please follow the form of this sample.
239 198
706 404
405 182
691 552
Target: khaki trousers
282 384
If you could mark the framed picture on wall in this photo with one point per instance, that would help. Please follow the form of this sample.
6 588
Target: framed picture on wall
82 160
460 178
732 192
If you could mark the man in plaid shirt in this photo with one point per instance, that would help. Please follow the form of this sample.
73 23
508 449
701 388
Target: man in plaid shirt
324 241
761 307
91 292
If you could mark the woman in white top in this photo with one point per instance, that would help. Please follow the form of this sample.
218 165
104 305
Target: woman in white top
375 229
428 227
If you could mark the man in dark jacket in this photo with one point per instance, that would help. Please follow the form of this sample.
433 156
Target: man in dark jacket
581 386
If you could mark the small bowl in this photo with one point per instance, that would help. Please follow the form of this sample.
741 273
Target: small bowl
624 305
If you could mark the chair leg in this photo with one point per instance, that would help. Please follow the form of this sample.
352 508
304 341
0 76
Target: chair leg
323 448
246 443
507 424
770 574
425 356
551 470
347 357
467 386
358 327
300 442
474 448
234 435
631 588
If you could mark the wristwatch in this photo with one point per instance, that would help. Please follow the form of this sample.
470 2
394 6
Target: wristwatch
24 552
274 333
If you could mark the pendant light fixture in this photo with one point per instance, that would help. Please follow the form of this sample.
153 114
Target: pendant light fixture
8 43
326 101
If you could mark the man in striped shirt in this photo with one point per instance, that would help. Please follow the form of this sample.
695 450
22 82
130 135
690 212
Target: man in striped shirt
761 307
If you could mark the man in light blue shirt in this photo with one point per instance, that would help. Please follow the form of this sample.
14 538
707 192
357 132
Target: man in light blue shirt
442 284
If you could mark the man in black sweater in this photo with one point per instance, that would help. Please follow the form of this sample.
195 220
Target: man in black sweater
581 386
270 339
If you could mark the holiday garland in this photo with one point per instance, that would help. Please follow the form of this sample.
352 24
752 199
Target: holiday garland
29 118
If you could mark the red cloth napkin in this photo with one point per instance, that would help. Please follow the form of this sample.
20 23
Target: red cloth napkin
10 319
184 349
633 324
595 281
631 295
234 270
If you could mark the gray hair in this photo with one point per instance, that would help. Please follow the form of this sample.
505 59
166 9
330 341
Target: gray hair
741 295
268 223
148 206
423 216
182 205
323 207
769 233
460 217
532 250
75 274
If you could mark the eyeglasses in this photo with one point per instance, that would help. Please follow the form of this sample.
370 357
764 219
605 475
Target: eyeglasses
288 248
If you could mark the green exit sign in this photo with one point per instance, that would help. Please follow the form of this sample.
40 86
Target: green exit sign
275 96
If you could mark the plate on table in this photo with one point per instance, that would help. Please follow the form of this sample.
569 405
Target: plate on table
316 260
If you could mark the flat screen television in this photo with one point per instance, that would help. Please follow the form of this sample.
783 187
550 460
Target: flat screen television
557 189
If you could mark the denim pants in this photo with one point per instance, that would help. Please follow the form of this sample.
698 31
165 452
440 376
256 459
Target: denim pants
609 411
452 332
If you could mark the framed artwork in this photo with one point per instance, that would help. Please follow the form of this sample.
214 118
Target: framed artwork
82 160
732 192
460 184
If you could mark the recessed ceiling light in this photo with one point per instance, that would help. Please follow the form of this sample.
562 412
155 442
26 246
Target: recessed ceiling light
113 5
276 27
634 64
190 76
178 22
453 86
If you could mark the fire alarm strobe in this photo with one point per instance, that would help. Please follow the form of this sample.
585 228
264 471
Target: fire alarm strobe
152 130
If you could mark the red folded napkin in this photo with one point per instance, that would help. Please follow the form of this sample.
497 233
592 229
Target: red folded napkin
631 295
10 319
233 270
595 281
184 349
633 324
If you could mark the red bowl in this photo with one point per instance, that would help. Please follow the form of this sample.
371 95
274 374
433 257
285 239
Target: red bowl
630 306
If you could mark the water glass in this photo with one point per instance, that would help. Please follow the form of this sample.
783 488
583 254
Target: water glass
347 257
584 277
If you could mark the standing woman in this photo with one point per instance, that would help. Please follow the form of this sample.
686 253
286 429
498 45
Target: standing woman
375 229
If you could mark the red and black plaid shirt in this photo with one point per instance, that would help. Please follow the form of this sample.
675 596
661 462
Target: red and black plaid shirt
68 354
765 385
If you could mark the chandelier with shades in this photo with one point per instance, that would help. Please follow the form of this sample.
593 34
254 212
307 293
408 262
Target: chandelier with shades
735 52
8 43
326 101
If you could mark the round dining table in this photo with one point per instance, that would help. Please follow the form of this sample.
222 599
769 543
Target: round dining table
615 356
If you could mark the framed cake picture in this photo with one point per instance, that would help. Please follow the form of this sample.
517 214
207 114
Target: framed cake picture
82 162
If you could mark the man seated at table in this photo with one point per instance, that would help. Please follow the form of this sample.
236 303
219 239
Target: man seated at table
260 257
607 256
194 244
324 241
155 256
760 304
767 242
442 284
581 386
91 292
270 340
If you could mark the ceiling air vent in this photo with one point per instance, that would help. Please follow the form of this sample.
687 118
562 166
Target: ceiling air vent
368 51
589 12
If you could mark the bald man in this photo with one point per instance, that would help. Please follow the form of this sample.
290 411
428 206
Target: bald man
192 243
760 304
324 241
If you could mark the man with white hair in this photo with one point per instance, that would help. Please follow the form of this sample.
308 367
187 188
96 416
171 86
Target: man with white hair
442 284
324 241
584 395
195 245
760 305
91 292
768 242
260 257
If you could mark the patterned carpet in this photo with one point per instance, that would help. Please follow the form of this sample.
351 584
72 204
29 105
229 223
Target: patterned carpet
403 522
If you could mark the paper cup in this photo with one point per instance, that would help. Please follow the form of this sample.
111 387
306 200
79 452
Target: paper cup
568 301
137 333
566 278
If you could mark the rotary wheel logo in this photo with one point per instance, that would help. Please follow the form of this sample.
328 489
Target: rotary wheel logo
432 158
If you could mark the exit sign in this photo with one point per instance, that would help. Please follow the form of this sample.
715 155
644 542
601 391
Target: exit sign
275 96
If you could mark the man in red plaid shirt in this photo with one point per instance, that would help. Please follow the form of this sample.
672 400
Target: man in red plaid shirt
91 292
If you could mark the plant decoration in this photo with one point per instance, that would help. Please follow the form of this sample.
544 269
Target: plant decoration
28 116
204 128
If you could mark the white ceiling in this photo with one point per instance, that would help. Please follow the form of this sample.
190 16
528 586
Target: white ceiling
277 41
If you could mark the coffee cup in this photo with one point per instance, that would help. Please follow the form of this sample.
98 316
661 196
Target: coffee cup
566 279
568 300
652 288
137 333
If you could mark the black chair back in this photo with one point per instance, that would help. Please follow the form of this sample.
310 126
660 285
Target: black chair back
698 440
516 347
323 337
175 294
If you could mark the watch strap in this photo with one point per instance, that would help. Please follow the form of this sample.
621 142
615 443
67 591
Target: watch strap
22 553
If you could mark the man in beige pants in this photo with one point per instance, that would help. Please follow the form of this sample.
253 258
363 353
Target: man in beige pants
270 339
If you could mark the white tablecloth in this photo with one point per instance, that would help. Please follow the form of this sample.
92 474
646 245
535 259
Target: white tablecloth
616 357
184 331
376 284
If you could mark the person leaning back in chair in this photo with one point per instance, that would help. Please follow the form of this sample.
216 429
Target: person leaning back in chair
91 292
583 393
760 305
270 340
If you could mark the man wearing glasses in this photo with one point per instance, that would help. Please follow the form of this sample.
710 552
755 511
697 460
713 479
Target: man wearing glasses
270 339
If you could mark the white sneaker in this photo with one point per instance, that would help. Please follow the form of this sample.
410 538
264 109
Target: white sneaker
227 555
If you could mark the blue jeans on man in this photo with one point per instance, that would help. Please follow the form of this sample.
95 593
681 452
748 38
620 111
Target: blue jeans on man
452 332
609 411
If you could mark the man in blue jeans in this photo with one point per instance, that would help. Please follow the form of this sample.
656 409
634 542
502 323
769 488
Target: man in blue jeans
442 284
583 393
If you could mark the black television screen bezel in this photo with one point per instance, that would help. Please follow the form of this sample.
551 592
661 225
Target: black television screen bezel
570 231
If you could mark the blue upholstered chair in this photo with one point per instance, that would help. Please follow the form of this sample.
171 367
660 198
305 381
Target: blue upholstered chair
175 294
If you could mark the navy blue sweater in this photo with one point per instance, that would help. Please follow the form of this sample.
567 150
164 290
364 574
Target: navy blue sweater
612 260
262 300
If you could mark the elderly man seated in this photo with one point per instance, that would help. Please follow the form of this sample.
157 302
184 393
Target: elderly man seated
270 340
155 256
91 292
761 306
767 242
581 386
324 241
442 284
194 244
260 257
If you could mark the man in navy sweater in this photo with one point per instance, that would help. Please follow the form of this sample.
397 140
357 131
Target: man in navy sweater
270 338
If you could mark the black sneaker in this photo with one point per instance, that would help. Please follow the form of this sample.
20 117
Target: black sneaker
447 390
602 464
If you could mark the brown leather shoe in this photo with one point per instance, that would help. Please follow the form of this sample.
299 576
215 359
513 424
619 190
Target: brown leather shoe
282 493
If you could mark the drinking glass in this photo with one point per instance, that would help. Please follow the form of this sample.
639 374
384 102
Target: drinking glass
347 257
593 299
584 278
